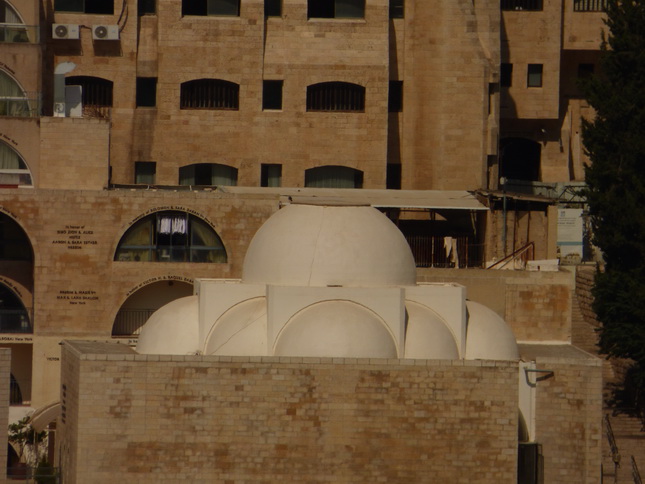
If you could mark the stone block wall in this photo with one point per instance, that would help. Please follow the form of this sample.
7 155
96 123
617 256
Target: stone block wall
136 418
5 369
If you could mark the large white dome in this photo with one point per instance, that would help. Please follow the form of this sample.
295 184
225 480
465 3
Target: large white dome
307 245
172 330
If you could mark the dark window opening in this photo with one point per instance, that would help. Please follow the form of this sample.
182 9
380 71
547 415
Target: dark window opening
272 94
14 243
506 75
14 317
209 94
145 172
395 97
520 159
585 71
522 5
229 8
208 174
103 7
530 463
272 8
95 91
171 236
397 8
333 177
534 75
336 96
146 92
335 8
271 175
147 7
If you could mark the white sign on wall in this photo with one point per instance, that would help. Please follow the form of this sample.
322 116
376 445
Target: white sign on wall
570 233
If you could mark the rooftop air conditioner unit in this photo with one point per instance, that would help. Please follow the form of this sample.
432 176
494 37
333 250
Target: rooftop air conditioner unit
105 32
65 31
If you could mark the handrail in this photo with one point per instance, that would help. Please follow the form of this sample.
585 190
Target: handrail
519 252
615 454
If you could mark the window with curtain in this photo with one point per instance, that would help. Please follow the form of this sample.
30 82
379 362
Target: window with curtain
171 236
208 174
336 96
12 27
13 169
209 94
13 99
333 177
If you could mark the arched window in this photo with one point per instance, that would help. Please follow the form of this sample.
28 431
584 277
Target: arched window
336 96
14 243
13 99
96 94
520 159
13 169
209 94
12 27
333 177
208 174
171 236
13 315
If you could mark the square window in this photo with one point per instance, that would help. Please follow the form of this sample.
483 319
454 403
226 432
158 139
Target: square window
69 6
506 75
585 71
224 7
335 8
397 8
146 92
395 97
147 7
145 172
272 95
534 75
271 175
272 8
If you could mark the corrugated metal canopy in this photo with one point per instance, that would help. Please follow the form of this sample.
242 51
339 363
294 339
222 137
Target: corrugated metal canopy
414 199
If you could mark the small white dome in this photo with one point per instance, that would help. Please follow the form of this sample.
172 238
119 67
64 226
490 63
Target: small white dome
240 331
336 329
307 245
427 336
488 337
172 330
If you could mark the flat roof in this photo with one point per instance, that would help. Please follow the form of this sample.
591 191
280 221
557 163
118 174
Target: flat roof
413 199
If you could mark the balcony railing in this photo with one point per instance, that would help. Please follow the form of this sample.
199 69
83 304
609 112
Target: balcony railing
21 107
522 5
438 251
128 322
18 33
589 5
15 321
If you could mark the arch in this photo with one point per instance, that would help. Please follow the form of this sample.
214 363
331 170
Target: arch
171 236
14 317
13 98
333 176
208 174
140 305
520 159
96 91
336 96
13 169
209 94
15 395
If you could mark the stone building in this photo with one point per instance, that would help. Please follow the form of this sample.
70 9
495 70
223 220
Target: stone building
120 118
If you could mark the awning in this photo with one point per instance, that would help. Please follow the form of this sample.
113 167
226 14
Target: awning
412 199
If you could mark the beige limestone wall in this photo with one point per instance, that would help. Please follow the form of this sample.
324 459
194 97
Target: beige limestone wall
537 305
166 419
5 366
581 30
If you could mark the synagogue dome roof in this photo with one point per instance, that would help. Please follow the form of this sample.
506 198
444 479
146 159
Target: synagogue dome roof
427 336
172 330
309 245
488 336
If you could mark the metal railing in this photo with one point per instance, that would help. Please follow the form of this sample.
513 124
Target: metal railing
521 255
446 252
589 5
635 474
34 475
128 322
27 106
615 455
18 33
15 321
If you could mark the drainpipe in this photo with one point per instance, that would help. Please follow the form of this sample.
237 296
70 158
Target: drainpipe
502 181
